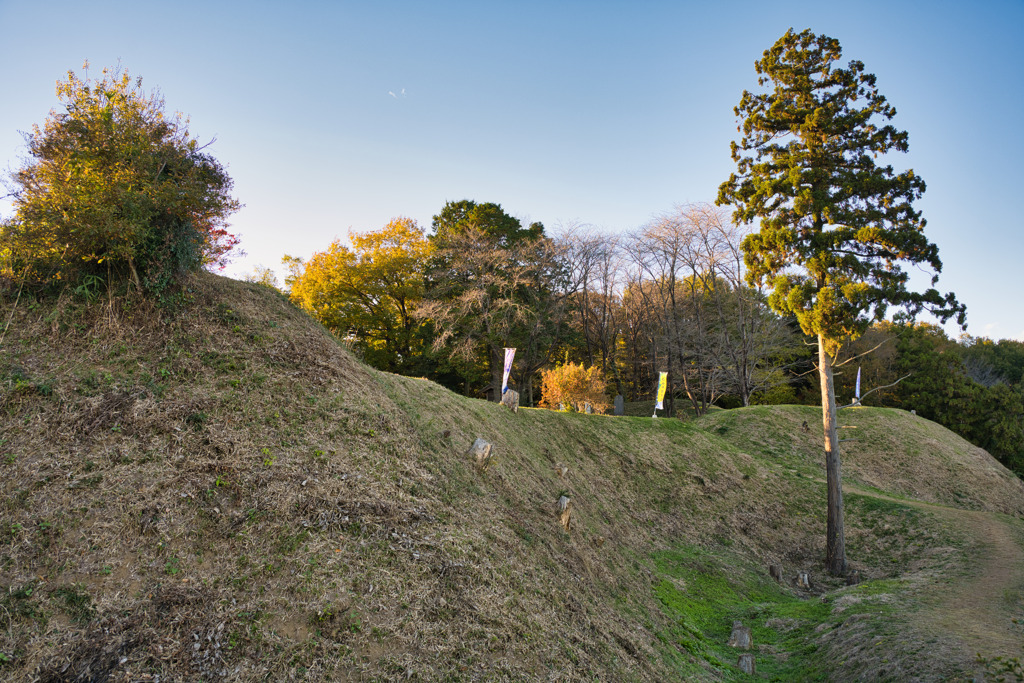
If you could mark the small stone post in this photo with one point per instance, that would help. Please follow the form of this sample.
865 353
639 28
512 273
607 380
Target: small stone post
565 506
510 399
740 637
481 450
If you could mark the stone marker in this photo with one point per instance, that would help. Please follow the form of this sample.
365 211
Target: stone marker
746 664
481 450
803 581
740 637
510 399
587 409
620 405
565 506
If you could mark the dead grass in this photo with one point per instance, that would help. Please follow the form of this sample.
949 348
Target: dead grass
222 493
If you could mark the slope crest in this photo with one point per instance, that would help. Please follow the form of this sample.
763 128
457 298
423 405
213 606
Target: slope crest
884 448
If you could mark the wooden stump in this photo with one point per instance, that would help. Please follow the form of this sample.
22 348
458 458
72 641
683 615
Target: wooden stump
746 664
803 580
565 507
510 399
776 572
740 637
853 578
481 450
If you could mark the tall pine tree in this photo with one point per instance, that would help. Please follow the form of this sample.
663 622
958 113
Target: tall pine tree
836 228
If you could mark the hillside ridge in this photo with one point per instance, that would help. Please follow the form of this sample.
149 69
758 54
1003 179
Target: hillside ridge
223 493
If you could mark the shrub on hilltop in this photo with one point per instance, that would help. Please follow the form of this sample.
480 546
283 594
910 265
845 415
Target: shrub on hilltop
113 190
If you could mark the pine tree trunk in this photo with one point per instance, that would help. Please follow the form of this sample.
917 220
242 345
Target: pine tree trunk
835 539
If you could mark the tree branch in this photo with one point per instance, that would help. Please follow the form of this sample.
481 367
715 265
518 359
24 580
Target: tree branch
857 402
14 307
852 358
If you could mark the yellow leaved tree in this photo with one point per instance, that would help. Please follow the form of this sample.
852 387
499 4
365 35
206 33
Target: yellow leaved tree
368 293
574 386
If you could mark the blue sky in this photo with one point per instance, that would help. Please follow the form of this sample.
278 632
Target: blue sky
339 115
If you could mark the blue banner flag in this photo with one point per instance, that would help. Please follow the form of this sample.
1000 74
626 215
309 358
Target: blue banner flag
509 355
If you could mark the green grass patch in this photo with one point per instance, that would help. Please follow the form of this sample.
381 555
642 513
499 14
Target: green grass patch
891 535
703 594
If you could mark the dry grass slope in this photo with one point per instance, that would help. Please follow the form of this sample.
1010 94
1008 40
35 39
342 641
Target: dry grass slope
223 493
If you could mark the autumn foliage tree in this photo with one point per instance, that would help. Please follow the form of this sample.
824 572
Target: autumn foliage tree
574 386
115 187
836 228
370 292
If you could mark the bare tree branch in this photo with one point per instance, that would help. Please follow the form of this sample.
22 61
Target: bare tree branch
884 386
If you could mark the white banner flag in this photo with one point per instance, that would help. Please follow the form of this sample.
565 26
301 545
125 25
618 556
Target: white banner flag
858 384
509 355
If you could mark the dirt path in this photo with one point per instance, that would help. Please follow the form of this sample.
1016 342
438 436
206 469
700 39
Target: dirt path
978 609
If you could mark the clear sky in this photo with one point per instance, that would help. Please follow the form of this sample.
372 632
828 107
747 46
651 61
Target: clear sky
339 115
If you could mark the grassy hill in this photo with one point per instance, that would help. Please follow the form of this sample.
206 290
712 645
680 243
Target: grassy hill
223 493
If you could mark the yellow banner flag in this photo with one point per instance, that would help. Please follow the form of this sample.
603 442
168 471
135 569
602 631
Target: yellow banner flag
662 385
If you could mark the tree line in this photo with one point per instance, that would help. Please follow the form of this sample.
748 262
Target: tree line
669 296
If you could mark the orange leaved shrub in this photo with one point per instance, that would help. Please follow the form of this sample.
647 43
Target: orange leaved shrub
574 386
